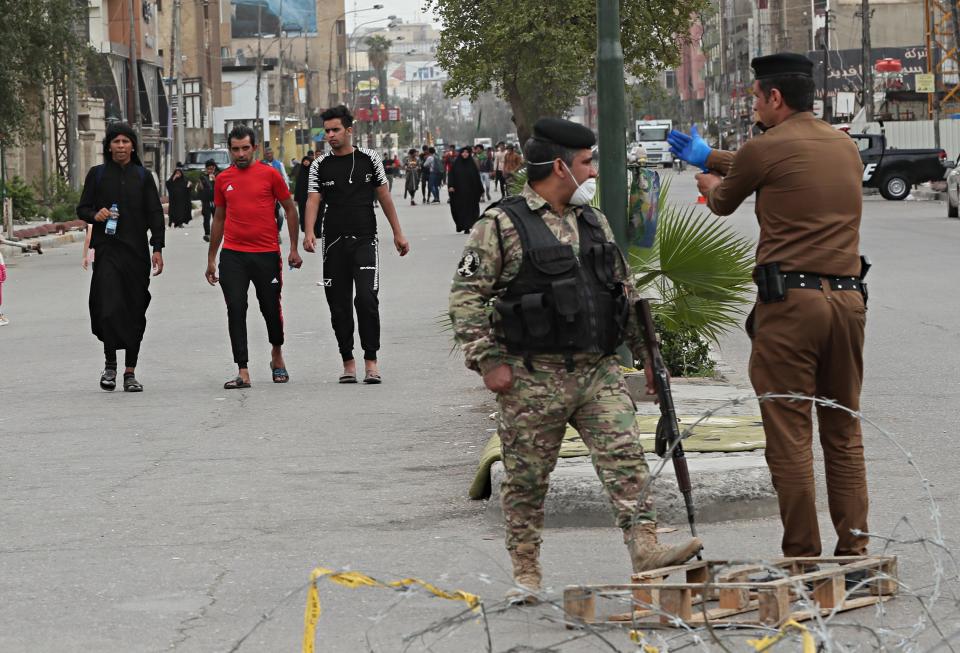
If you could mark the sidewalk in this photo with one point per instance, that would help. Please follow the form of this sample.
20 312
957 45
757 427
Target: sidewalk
726 486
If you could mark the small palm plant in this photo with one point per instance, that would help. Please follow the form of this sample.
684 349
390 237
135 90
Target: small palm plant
699 269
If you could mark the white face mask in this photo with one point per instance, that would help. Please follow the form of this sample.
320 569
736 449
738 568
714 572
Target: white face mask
585 192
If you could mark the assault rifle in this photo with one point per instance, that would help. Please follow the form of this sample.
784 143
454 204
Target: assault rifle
668 438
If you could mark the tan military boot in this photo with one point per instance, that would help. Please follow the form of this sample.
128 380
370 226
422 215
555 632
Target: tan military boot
647 553
526 574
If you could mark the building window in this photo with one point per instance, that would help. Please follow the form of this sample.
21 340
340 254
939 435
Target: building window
192 103
341 27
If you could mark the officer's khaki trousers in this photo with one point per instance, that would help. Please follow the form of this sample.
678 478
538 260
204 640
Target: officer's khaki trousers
812 344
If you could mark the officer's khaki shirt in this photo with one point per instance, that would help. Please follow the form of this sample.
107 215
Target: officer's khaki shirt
807 176
491 260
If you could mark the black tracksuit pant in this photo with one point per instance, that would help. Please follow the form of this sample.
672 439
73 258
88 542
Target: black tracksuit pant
237 271
352 262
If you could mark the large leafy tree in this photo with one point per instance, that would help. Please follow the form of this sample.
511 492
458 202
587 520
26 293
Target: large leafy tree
378 54
39 44
541 56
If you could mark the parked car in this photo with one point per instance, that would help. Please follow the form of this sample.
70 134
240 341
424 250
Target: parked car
893 171
197 158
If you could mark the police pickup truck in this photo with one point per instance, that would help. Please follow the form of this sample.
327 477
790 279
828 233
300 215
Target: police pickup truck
895 171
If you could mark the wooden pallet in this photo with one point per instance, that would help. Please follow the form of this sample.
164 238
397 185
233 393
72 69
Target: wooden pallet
720 592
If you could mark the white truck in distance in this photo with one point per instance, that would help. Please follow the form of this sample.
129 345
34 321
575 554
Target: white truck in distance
651 135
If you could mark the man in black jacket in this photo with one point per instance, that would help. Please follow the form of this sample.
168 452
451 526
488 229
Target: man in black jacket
205 193
119 294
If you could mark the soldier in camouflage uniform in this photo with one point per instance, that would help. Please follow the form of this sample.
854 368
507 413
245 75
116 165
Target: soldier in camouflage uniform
540 301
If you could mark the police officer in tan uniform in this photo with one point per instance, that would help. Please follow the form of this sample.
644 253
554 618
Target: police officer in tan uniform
808 324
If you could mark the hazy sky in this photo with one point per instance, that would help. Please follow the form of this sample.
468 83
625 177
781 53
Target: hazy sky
409 10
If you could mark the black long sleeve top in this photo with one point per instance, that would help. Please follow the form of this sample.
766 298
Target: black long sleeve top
137 199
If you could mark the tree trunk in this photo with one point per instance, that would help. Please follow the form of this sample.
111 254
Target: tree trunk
520 118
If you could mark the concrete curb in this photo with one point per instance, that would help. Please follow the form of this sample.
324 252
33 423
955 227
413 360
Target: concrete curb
727 486
46 242
927 195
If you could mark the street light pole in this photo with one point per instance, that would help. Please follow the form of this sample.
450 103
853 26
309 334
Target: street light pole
134 75
612 127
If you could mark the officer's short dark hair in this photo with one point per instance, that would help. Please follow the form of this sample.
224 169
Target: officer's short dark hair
538 151
797 90
241 132
340 113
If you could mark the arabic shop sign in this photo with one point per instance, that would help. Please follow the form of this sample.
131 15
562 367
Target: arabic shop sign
845 67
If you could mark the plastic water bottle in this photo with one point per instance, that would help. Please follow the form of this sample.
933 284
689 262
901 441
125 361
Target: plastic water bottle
111 228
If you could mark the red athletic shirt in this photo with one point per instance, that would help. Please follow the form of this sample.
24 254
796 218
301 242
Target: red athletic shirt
249 196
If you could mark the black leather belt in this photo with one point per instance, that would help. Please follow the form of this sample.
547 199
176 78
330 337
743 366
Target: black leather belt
813 281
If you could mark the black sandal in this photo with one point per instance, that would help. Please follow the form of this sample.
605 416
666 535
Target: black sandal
280 374
236 384
108 380
130 384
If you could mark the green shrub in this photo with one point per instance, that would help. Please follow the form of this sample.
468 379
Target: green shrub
685 353
24 198
64 212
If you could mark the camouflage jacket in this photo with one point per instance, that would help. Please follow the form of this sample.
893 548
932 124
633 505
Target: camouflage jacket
491 260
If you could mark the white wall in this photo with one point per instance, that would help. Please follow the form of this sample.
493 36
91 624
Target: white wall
243 97
919 133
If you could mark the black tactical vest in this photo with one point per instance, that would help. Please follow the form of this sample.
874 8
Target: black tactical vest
559 304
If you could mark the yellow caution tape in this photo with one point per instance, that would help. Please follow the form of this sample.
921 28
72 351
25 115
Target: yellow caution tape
765 644
637 637
354 579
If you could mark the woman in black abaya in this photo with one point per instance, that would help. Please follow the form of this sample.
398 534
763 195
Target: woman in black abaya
180 208
466 190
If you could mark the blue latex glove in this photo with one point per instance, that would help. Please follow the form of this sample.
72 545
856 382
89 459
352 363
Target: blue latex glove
692 149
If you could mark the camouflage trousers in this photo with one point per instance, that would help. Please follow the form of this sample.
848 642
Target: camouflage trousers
533 418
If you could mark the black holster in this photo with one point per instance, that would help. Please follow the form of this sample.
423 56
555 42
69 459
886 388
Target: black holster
865 266
771 286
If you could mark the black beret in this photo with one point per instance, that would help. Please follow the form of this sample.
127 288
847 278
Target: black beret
782 63
564 133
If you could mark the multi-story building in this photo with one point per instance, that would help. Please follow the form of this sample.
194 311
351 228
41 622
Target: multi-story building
204 33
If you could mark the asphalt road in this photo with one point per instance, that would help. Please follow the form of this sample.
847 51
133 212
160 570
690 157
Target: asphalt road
189 518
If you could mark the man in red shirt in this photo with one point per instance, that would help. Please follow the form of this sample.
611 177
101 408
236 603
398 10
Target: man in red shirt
245 195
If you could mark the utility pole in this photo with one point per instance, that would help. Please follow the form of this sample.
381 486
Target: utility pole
259 123
73 129
134 75
826 65
281 87
933 66
179 146
866 73
613 144
724 102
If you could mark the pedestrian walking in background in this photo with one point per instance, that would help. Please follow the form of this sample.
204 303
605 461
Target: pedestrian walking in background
205 193
448 158
424 173
412 174
807 327
278 166
434 167
389 169
545 341
300 186
499 181
512 162
347 181
466 191
121 201
3 278
245 196
485 164
179 206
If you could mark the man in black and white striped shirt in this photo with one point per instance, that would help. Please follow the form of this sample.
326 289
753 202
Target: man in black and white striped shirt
347 181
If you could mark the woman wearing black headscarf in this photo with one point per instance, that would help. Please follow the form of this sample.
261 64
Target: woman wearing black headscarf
465 189
119 293
179 207
300 187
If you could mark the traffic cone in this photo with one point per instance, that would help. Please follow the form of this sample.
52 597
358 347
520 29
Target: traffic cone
701 199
